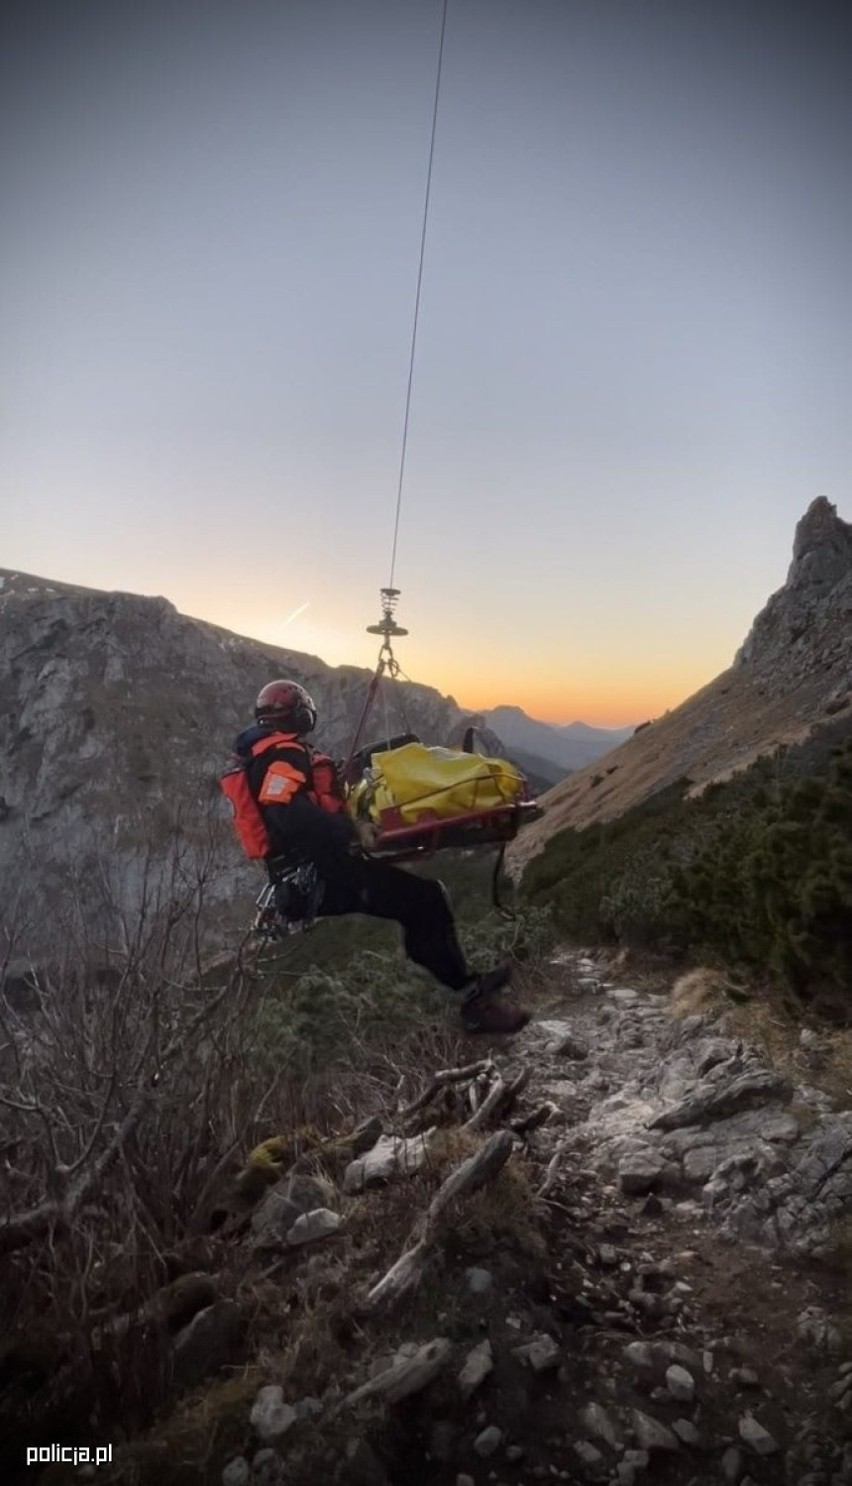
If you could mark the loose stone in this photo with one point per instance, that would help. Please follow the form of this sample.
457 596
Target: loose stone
753 1434
541 1353
732 1465
598 1422
680 1383
271 1416
267 1468
589 1454
687 1432
651 1434
478 1365
639 1355
488 1441
478 1280
745 1376
310 1227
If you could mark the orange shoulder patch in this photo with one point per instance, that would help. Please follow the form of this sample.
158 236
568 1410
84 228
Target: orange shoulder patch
281 782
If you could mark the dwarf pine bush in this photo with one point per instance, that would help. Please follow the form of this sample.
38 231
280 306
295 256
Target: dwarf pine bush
756 872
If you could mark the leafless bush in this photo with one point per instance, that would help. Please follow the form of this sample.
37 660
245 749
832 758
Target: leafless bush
136 1072
128 1079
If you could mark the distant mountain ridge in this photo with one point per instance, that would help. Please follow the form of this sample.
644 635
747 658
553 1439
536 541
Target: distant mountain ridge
569 747
584 730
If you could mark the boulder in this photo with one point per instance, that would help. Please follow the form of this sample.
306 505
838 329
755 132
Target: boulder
313 1226
212 1340
392 1155
271 1417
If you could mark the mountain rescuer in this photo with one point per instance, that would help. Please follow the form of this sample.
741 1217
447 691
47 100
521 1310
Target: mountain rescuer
293 813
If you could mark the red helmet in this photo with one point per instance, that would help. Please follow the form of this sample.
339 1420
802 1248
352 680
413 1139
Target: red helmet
287 704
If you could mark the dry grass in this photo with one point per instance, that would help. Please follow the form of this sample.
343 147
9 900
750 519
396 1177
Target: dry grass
502 1217
186 1447
834 1076
698 991
773 1023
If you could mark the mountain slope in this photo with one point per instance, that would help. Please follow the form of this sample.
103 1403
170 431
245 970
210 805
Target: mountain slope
117 715
793 672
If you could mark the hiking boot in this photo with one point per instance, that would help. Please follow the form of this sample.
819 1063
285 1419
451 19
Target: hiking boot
490 982
483 1012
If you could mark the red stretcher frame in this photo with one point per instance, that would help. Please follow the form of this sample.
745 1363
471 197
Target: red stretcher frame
472 828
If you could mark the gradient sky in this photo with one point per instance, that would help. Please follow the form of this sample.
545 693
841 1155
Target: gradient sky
634 365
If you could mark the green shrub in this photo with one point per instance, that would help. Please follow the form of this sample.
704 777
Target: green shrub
527 938
348 980
757 871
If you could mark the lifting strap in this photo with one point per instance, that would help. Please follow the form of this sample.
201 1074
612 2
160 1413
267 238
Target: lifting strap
371 693
499 907
387 662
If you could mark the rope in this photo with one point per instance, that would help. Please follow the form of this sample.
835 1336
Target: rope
373 687
417 297
397 672
384 691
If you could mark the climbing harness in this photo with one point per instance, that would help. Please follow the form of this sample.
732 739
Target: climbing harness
289 904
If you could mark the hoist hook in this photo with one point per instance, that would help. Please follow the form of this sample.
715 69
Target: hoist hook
387 625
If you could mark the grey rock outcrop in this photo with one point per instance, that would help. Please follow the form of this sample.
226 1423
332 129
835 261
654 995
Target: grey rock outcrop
810 616
698 1111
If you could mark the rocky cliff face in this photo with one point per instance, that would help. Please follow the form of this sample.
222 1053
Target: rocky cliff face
117 714
808 621
792 676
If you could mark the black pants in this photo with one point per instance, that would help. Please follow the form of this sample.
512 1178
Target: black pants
363 885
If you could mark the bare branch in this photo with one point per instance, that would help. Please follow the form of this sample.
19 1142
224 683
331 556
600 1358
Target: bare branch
473 1173
24 1227
500 1099
552 1169
440 1080
538 1117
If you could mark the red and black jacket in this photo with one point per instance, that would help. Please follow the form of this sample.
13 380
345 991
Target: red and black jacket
298 793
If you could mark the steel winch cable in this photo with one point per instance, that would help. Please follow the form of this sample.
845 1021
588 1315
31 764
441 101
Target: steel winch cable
417 295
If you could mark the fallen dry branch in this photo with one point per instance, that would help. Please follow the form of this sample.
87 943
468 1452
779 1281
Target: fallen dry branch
473 1173
500 1099
552 1169
538 1117
478 1090
440 1080
406 1375
490 1104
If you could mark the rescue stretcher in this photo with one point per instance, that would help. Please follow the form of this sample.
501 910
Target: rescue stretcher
421 800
